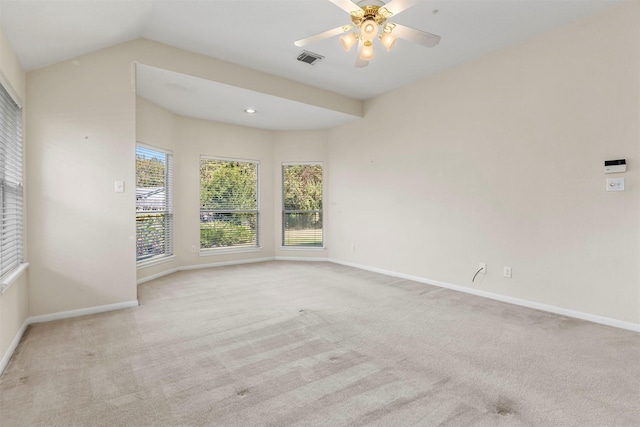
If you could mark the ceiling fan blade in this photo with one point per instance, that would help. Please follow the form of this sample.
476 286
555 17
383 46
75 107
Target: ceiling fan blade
346 5
360 62
416 36
397 6
318 37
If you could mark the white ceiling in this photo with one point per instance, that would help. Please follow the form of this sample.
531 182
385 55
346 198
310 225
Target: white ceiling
194 97
259 34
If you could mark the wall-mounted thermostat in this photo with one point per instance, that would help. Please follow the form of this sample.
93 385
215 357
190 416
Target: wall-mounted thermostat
615 166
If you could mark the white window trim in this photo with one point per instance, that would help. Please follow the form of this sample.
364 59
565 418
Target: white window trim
154 148
302 248
12 276
4 81
305 248
159 259
227 250
306 163
9 276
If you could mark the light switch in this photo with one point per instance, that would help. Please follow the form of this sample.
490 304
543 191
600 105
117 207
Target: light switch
119 187
615 184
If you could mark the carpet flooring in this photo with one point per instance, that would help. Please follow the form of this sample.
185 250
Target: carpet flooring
319 344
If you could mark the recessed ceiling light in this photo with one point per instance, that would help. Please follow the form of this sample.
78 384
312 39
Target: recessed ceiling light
250 111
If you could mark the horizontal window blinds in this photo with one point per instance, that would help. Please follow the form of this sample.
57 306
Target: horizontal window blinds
154 203
302 205
12 228
228 203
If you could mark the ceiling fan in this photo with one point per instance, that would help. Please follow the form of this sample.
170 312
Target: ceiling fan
370 18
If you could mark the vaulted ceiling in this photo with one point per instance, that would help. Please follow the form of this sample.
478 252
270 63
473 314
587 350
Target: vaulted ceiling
259 34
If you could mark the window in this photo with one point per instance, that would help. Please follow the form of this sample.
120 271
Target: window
154 203
11 226
302 205
228 203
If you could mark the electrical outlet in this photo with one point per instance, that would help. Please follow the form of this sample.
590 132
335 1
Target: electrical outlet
507 272
353 247
193 248
483 267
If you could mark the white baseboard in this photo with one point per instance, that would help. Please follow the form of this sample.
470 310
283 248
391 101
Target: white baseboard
157 276
511 300
81 312
201 266
14 344
128 304
225 263
57 316
301 259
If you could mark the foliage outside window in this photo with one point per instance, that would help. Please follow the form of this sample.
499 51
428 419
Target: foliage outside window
154 204
11 215
228 203
302 205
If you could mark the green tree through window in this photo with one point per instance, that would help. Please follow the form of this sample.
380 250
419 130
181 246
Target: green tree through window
302 205
228 203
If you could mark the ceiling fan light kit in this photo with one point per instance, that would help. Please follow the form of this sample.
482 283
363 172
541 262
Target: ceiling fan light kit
348 41
388 40
369 17
367 51
369 30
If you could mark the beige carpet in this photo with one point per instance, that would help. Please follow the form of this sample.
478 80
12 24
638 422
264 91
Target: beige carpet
317 344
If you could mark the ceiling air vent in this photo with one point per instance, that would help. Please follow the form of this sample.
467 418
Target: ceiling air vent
309 57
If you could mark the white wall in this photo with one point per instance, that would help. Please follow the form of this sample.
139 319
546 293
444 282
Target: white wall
155 127
188 139
14 308
82 135
302 147
501 161
200 137
419 192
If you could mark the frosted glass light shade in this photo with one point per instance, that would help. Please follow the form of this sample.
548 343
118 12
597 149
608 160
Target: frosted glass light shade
367 51
369 29
348 41
388 40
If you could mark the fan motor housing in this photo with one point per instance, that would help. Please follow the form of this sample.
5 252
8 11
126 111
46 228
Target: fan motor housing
373 12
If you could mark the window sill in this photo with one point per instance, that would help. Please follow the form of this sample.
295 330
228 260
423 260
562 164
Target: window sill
14 275
155 261
303 248
225 251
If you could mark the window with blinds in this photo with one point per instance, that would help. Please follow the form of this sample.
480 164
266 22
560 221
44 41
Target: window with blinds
228 203
154 204
11 229
302 205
